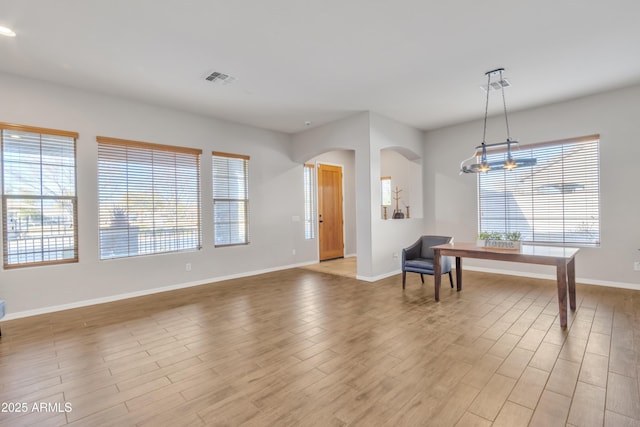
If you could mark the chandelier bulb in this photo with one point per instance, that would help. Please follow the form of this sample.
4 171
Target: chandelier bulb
510 164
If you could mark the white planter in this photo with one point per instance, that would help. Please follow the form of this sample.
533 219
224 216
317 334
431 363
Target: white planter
499 244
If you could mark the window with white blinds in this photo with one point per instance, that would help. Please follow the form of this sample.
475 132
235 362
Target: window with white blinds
230 199
39 202
385 190
309 202
557 201
149 198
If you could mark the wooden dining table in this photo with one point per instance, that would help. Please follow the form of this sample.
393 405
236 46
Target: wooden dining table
563 258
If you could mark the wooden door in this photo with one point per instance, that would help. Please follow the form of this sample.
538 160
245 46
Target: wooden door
330 221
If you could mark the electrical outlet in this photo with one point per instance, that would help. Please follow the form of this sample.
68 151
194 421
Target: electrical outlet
636 266
188 266
293 251
395 254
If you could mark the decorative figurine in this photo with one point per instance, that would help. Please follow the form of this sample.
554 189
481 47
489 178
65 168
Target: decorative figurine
397 213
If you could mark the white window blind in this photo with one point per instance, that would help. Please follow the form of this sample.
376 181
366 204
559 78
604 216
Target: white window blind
39 203
149 197
557 201
230 198
309 202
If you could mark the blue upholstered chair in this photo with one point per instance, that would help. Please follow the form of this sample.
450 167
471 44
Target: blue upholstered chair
418 258
2 305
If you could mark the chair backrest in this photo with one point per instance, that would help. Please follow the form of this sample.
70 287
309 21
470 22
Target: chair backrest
428 241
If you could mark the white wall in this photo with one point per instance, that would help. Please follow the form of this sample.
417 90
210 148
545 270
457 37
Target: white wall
275 186
452 199
390 236
367 134
351 133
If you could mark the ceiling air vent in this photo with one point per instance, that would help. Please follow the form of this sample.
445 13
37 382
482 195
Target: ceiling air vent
220 78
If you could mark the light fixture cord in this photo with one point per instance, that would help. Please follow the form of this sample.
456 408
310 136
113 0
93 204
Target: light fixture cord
504 104
486 109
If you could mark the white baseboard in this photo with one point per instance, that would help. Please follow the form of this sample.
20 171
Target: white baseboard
111 298
582 280
376 278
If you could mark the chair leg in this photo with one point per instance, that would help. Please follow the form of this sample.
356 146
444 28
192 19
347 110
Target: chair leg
422 278
404 278
451 280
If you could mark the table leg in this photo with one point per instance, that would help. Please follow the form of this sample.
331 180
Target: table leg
562 292
571 282
437 272
459 273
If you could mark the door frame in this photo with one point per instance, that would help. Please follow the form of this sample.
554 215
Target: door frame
344 234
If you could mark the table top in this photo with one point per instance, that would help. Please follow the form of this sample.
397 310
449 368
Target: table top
527 253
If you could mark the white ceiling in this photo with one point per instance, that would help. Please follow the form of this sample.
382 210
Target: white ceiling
418 62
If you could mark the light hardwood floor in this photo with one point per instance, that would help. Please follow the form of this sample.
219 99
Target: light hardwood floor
305 348
346 267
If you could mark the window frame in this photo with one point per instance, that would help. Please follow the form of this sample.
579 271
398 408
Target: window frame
195 186
310 203
5 197
547 226
229 199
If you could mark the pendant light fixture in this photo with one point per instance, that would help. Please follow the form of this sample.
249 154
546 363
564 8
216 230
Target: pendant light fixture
467 166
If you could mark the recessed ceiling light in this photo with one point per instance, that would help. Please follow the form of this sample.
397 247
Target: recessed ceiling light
4 31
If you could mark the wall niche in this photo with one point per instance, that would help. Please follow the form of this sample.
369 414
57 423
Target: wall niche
402 172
